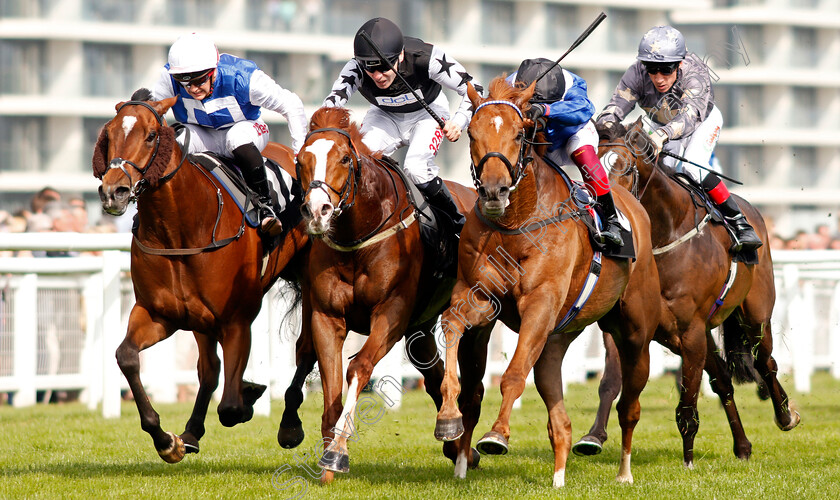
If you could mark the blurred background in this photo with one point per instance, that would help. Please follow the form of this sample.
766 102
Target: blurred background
64 64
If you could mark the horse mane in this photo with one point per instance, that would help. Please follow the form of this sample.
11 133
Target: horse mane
156 169
327 117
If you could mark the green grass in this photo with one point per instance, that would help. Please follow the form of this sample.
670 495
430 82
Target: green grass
66 451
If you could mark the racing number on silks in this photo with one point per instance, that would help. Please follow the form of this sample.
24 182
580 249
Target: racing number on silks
436 140
261 128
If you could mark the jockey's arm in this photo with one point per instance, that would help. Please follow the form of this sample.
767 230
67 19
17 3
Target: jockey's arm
575 107
450 74
265 92
345 85
162 89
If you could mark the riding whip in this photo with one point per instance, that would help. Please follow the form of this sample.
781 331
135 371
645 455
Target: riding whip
381 56
686 160
577 42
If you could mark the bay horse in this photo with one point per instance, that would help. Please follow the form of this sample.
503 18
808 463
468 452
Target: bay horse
367 270
185 278
695 269
525 261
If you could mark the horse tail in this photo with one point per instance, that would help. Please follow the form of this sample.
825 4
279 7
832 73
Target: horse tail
291 296
737 351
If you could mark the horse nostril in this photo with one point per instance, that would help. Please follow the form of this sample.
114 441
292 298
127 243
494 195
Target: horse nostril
122 193
326 210
482 192
504 190
304 210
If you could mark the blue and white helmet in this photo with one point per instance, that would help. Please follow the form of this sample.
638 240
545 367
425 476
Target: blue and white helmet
662 44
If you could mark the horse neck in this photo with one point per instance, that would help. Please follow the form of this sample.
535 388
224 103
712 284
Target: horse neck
667 203
373 201
539 191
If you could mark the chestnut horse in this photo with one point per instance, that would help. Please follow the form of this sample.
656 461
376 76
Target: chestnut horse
694 268
525 263
367 271
194 264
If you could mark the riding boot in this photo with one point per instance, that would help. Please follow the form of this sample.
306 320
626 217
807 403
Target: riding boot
745 237
610 227
250 162
438 196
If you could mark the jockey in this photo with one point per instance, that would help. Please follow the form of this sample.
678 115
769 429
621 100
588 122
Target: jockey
561 101
395 118
675 90
220 101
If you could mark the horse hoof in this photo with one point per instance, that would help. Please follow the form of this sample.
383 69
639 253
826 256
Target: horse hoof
190 442
251 392
335 461
794 421
290 437
492 443
449 429
476 457
175 452
587 447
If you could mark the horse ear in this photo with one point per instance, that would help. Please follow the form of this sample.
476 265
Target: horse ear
119 105
163 106
472 93
523 97
100 152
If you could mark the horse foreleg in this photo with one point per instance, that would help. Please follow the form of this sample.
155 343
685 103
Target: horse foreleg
609 388
721 382
550 386
472 356
208 366
328 335
236 347
290 434
143 332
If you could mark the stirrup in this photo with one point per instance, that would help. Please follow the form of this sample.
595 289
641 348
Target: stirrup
270 225
611 232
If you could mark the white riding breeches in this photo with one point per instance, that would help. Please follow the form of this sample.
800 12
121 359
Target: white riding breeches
224 141
697 147
386 131
586 136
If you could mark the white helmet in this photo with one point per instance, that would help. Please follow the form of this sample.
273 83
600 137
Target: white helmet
192 53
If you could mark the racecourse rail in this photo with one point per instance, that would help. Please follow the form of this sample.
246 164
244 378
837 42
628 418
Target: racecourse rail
62 318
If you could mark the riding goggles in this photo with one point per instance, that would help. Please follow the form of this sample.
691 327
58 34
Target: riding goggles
374 65
193 79
665 69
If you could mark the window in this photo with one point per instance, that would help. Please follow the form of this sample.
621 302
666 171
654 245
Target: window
201 13
274 15
108 70
426 19
805 172
741 105
624 34
742 163
345 17
26 8
21 66
277 66
562 25
499 22
805 113
22 143
121 11
804 50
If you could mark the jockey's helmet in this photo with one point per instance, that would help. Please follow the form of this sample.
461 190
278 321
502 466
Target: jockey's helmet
192 53
549 88
662 44
388 39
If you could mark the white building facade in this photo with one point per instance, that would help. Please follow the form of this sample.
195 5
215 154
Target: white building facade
64 64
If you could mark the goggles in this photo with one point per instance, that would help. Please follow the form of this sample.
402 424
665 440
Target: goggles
664 69
188 80
374 65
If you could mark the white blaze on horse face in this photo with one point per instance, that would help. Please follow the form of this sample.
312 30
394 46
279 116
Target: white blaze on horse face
128 124
497 121
320 149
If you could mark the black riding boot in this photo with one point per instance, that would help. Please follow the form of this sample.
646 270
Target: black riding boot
610 227
745 237
438 195
250 161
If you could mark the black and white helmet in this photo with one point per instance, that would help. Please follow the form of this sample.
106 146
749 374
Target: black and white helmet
662 44
387 37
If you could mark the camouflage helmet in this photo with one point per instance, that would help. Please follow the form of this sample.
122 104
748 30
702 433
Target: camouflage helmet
662 44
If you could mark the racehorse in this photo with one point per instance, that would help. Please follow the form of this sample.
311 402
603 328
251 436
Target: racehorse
367 271
184 277
696 270
524 260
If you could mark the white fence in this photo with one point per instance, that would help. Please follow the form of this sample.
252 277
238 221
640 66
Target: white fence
61 320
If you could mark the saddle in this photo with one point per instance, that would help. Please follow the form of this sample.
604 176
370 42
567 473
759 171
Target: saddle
701 200
436 228
286 194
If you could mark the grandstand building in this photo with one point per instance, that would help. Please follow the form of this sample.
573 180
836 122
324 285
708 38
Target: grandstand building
64 64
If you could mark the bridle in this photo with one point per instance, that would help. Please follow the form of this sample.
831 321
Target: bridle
353 177
120 163
517 173
633 169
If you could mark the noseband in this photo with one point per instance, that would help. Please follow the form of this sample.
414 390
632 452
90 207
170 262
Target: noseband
517 173
633 169
352 178
120 163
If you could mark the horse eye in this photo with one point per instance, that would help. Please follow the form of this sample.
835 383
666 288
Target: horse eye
151 136
520 136
346 160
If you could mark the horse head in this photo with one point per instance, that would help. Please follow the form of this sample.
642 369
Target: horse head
329 168
626 153
132 152
498 143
